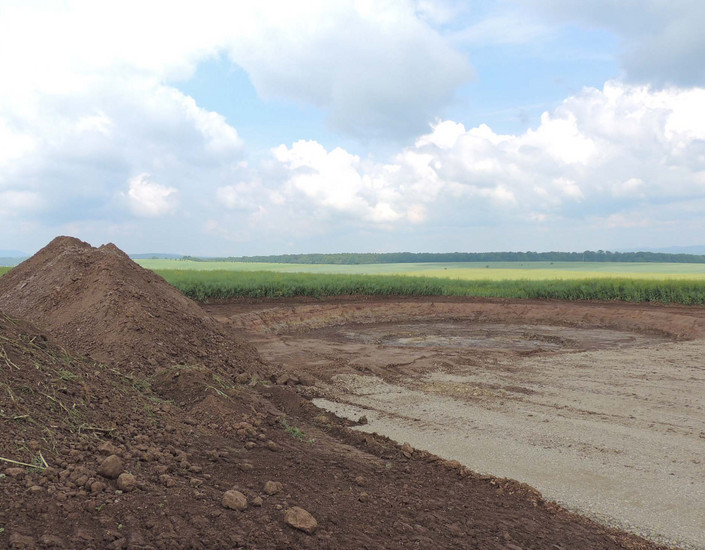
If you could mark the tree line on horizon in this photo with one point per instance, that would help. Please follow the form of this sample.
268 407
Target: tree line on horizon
451 257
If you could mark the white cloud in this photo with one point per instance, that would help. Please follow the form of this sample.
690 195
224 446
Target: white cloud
336 181
377 68
15 203
150 199
624 142
88 100
663 42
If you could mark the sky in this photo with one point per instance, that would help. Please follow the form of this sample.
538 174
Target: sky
229 128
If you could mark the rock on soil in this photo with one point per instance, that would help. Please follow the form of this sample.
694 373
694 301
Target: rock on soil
126 482
100 303
273 487
234 500
300 519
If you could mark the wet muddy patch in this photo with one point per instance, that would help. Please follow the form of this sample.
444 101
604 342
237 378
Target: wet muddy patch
487 336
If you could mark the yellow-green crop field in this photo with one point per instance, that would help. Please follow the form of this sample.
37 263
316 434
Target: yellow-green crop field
647 282
496 271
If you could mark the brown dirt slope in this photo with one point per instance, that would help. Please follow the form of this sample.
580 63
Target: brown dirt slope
100 303
65 416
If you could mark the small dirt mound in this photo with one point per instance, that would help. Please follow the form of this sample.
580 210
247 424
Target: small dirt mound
102 304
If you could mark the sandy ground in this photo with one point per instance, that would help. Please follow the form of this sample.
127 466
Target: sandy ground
600 407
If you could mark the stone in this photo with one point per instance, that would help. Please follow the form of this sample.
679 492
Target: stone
257 501
407 450
126 482
273 487
362 420
111 467
300 519
234 500
15 472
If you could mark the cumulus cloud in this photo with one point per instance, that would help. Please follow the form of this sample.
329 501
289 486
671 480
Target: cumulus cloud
606 154
89 109
150 199
79 149
337 182
377 68
89 97
663 42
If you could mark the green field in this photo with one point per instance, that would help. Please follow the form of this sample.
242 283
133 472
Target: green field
459 270
209 285
642 282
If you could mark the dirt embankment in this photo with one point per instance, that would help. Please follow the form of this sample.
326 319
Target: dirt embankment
181 445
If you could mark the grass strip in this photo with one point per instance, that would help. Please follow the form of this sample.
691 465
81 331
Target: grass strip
217 285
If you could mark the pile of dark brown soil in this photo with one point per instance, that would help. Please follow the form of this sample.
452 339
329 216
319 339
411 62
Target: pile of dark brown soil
100 303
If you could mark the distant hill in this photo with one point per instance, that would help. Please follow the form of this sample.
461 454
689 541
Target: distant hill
13 257
11 261
699 249
423 257
156 256
13 254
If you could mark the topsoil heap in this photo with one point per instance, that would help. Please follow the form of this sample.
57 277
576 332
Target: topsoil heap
100 303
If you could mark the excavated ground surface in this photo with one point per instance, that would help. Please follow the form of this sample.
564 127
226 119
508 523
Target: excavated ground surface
188 436
127 414
600 406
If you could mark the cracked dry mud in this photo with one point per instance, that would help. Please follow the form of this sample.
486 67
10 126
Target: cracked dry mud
601 407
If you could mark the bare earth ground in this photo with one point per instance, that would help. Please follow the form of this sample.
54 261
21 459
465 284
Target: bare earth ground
601 407
130 419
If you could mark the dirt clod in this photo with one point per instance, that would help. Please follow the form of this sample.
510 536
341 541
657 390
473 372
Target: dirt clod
111 467
21 542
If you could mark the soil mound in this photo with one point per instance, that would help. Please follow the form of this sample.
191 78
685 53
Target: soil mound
100 303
